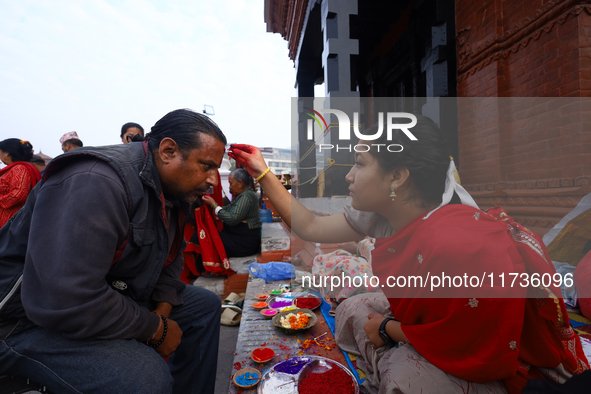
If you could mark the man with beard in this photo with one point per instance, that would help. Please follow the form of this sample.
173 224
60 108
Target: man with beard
91 299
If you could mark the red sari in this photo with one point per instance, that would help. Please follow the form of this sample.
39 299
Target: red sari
16 182
475 337
209 246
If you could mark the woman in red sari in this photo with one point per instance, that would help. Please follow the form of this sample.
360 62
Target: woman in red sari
18 178
414 339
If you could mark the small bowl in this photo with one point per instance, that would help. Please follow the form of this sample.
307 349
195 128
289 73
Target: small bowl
242 372
311 323
268 313
259 305
272 302
309 296
276 292
262 296
261 361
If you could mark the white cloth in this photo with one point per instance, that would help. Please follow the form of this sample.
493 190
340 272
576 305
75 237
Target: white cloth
452 186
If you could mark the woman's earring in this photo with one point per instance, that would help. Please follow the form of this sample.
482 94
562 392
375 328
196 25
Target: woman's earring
392 193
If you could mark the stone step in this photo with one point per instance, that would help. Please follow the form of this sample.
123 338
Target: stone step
222 285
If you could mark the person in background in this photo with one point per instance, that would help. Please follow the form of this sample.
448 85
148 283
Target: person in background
39 163
130 130
18 178
70 141
241 235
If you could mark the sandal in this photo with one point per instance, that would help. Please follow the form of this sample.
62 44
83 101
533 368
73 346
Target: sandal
232 309
231 315
234 299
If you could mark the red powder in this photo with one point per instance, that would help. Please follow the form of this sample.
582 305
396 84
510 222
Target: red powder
237 366
307 302
263 354
335 381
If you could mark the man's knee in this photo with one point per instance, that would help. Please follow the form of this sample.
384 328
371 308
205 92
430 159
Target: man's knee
151 376
206 299
202 304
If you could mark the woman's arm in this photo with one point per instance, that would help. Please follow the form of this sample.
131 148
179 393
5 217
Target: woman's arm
14 187
393 329
237 211
328 229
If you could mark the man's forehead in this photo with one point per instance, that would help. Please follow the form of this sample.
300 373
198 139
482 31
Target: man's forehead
211 151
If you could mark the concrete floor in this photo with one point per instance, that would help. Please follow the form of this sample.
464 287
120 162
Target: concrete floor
228 338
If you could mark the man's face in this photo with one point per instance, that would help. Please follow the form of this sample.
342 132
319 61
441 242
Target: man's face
129 134
66 147
187 178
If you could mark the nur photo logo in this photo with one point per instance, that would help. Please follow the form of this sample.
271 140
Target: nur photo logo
345 125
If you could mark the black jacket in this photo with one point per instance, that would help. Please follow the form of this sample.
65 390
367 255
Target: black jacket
91 251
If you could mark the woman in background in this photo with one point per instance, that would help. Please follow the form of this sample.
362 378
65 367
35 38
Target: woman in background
241 235
18 178
129 131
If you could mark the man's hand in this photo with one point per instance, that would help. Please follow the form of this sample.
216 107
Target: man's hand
172 340
163 308
372 329
250 157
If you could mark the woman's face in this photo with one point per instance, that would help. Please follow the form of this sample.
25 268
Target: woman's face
236 187
129 134
5 157
369 187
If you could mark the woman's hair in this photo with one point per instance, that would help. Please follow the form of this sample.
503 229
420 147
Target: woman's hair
184 126
129 125
427 159
240 174
17 149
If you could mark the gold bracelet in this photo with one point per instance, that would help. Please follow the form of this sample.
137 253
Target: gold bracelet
263 174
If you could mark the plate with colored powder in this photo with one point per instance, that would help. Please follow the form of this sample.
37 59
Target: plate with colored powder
268 313
262 354
279 302
309 301
298 374
327 377
247 378
259 305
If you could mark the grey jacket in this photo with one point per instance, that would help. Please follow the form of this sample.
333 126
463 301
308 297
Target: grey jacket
92 251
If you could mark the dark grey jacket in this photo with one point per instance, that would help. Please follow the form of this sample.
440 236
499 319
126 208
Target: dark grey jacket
92 250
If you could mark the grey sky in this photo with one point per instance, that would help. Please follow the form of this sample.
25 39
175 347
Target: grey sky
93 65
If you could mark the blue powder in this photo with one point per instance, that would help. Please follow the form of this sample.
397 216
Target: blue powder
246 379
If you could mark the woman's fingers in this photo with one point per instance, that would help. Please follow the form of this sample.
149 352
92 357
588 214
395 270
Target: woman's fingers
249 157
244 147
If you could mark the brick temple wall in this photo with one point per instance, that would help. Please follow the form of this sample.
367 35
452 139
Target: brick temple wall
532 157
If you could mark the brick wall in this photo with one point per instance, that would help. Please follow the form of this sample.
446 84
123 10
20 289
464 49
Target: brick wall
531 156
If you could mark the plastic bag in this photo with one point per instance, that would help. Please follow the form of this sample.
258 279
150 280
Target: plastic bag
272 270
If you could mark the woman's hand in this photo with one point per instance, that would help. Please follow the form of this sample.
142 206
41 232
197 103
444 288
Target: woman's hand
372 329
250 157
208 200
